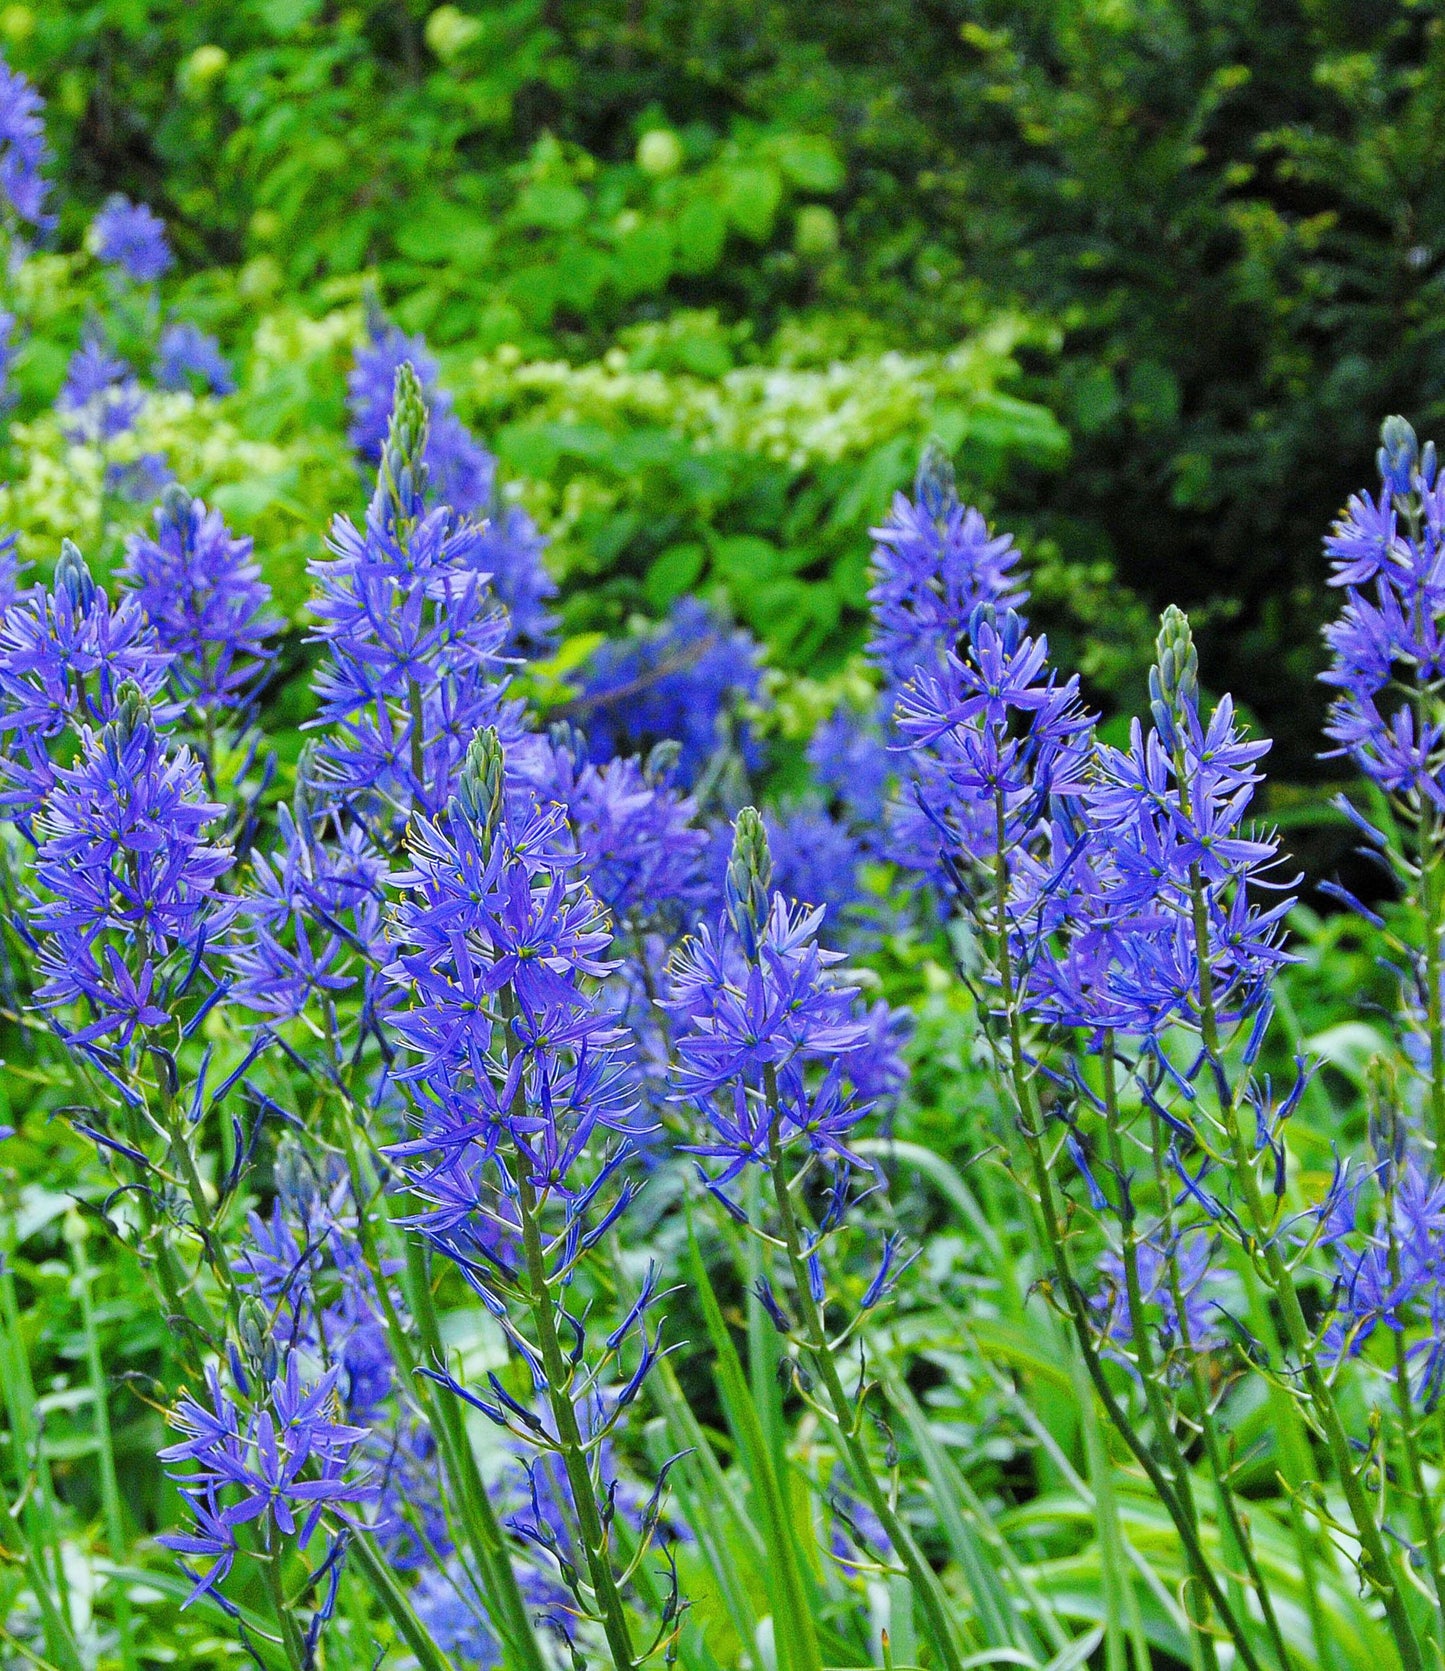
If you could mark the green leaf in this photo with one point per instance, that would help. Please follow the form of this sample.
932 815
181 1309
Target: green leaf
700 229
751 194
673 572
809 162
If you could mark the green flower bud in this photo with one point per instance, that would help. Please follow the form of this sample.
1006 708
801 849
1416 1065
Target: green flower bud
481 785
749 877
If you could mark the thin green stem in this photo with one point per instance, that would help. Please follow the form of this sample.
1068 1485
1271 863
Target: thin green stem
483 1535
845 1413
1149 1375
1375 1565
291 1638
1026 1107
105 1448
573 1451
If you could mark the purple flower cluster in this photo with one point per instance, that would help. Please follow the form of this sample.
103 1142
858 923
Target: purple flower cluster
129 236
462 472
934 564
268 1452
1386 646
1106 908
100 398
1199 1285
771 1043
684 681
125 878
462 475
1391 1268
188 358
994 738
636 836
64 655
515 1065
415 638
23 151
201 589
308 927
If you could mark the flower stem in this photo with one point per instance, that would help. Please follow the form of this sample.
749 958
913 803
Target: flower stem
1374 1563
613 1616
846 1412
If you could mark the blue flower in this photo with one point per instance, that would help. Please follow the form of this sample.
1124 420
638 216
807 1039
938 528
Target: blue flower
100 398
853 767
1386 646
635 835
201 589
126 900
816 858
416 640
188 356
308 926
23 151
934 564
463 476
64 655
273 1455
129 236
684 680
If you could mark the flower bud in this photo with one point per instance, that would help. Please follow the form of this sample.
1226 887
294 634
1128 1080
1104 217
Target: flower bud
1382 1099
1174 678
402 478
73 577
661 762
253 1325
749 875
132 711
1399 451
176 503
295 1177
936 487
480 786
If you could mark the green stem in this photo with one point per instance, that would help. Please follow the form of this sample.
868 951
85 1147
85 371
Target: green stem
291 1638
900 1535
1430 900
613 1616
1149 1375
1027 1110
393 1598
478 1518
109 1487
1374 1564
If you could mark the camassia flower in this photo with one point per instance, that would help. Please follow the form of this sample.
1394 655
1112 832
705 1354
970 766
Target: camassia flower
188 356
201 589
993 739
764 1026
308 925
1387 648
132 237
125 902
683 680
267 1451
1153 847
23 151
636 837
65 652
100 397
462 475
523 1108
935 562
415 639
